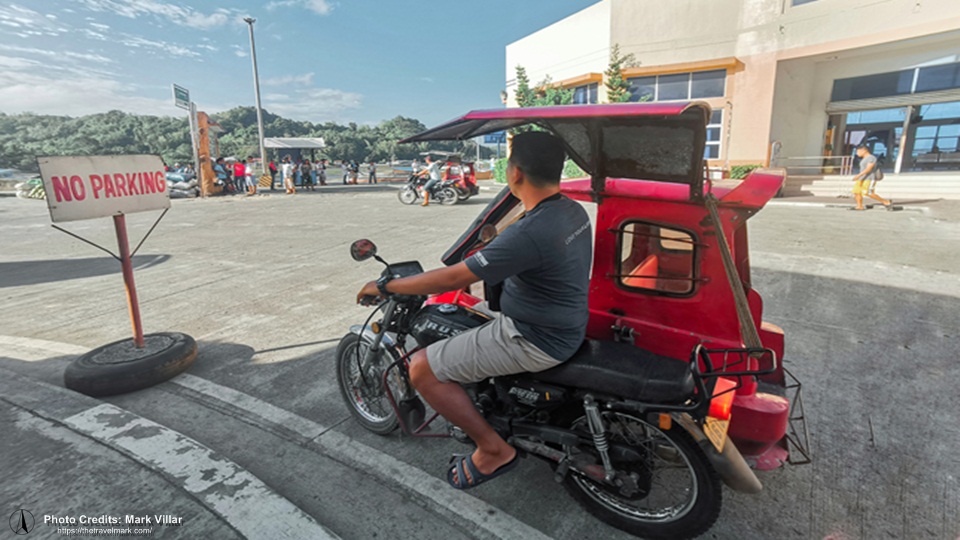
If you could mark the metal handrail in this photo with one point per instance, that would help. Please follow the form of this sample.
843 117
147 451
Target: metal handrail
845 163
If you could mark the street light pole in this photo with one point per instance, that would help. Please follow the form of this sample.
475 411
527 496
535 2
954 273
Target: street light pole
256 88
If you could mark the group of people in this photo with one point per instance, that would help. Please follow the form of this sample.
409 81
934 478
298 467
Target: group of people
236 178
351 172
240 176
299 173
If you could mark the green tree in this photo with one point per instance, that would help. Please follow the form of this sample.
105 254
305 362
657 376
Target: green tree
544 94
618 89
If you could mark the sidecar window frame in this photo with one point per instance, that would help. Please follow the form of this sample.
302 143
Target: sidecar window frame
665 244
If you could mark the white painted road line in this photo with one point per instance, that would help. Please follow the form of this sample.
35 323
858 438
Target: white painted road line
36 349
308 429
240 498
457 505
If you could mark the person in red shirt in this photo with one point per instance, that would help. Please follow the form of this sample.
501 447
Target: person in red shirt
240 175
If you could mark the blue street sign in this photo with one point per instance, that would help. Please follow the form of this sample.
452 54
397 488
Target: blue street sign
495 138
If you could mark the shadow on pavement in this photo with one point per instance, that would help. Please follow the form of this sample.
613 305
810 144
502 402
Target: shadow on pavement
15 274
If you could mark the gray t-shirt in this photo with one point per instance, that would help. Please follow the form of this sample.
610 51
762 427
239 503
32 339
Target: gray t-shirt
434 169
543 261
865 162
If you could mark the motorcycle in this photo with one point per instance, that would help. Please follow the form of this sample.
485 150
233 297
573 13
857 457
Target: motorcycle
444 192
639 440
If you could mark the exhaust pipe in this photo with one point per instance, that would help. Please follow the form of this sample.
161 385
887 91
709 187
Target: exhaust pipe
731 466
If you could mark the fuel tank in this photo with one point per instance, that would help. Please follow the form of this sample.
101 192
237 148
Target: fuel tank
440 321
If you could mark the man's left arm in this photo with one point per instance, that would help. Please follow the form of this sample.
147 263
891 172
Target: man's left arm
436 281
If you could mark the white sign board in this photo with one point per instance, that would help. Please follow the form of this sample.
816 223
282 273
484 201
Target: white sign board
181 97
86 187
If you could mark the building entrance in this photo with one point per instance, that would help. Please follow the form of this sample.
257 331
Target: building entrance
932 140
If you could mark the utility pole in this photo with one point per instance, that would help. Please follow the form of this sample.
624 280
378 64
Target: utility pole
256 88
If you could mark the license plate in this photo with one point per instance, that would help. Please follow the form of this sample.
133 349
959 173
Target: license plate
716 431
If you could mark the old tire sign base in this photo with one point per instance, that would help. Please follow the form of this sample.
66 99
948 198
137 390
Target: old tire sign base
120 367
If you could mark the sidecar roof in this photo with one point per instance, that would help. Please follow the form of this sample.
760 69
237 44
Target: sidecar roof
661 142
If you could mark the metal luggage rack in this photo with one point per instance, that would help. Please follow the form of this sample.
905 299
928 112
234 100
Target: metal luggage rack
731 359
798 437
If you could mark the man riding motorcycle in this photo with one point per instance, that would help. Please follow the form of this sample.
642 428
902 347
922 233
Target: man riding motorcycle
433 170
543 261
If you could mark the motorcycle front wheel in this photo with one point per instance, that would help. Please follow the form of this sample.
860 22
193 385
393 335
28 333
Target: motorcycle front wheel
676 492
447 196
363 391
463 194
407 195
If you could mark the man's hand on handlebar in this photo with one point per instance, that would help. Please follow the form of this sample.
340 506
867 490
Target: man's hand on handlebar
369 294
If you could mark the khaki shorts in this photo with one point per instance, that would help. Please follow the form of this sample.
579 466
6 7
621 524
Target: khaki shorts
494 349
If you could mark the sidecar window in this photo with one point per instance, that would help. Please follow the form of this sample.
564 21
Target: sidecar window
654 258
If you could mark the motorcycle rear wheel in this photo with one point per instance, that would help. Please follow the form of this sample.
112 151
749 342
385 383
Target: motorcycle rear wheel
407 195
447 196
365 396
673 463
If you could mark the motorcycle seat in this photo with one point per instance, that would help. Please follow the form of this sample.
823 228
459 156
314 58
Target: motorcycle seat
623 370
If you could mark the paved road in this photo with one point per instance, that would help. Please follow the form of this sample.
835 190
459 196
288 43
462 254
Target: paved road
870 303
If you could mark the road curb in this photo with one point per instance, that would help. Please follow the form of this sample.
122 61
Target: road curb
813 204
231 492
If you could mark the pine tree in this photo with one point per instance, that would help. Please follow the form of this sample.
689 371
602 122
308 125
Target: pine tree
524 94
618 89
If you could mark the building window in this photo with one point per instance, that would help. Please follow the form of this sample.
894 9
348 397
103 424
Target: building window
933 139
643 88
656 259
714 128
933 78
678 86
894 83
707 84
585 94
675 86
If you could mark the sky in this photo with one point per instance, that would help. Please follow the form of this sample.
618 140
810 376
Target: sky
360 61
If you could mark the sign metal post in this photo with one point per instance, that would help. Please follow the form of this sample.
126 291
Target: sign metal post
120 224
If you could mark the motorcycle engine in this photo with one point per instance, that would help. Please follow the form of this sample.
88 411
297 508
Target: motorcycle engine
440 321
522 390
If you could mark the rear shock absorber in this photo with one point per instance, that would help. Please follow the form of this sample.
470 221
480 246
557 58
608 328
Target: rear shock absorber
599 436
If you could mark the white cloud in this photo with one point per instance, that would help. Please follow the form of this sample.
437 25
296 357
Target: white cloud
314 104
301 80
240 51
177 14
54 90
159 46
16 16
57 54
320 7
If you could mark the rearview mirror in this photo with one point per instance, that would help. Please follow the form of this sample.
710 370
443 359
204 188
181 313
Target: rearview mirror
362 250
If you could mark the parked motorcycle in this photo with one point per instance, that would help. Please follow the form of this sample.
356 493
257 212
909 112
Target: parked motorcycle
637 439
444 192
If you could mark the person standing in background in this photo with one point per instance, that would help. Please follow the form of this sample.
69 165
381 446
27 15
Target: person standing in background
239 175
273 175
372 178
286 169
322 172
251 179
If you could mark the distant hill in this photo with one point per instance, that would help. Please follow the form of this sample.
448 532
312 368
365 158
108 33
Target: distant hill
25 136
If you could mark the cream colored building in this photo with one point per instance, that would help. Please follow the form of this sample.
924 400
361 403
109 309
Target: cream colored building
789 78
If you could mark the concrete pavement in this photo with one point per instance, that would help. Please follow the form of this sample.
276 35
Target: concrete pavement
870 303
